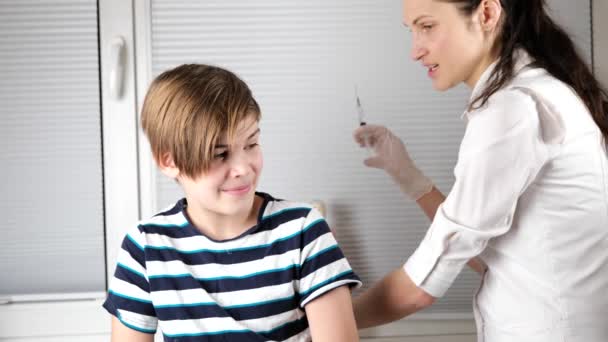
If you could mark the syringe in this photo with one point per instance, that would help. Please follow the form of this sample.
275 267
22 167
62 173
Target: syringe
360 111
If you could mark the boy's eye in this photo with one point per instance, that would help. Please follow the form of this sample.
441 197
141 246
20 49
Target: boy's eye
427 27
221 156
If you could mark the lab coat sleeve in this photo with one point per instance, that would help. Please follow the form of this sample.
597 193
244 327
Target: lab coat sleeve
501 154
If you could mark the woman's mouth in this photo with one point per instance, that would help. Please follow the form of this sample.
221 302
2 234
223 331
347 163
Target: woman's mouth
432 69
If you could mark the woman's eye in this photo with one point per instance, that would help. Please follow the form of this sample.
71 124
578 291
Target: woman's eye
427 27
250 146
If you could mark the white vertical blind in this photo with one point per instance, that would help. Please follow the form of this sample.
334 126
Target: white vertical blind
302 61
51 201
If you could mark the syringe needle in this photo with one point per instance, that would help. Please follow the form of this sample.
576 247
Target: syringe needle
360 111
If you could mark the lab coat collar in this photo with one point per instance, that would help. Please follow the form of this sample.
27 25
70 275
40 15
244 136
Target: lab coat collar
521 58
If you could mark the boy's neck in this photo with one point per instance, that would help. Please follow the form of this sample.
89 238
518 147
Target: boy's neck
223 227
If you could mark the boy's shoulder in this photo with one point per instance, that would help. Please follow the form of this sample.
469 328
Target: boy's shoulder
170 217
289 218
274 207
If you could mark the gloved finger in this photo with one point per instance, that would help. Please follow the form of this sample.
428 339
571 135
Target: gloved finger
368 130
361 140
366 141
374 162
368 134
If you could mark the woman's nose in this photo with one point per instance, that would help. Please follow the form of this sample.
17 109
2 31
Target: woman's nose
418 50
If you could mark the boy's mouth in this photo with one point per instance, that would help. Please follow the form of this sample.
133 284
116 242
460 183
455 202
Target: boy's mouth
238 190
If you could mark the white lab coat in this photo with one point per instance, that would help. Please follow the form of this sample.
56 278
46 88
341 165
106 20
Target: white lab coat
531 200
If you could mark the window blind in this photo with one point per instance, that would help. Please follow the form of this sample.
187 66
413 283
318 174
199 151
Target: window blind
303 61
51 200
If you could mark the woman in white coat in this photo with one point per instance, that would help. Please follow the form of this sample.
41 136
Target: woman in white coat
529 206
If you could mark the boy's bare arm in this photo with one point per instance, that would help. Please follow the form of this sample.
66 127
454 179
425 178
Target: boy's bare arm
331 317
390 299
121 333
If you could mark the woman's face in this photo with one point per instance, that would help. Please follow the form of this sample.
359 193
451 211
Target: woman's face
453 47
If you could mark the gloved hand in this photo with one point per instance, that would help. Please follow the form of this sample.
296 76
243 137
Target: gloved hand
391 155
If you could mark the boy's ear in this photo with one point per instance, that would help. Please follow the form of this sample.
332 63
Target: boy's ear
167 166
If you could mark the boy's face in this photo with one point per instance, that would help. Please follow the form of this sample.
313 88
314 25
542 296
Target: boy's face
228 187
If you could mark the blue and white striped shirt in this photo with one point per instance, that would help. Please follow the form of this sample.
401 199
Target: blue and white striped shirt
250 288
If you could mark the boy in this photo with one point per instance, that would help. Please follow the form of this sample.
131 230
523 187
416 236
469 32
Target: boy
226 263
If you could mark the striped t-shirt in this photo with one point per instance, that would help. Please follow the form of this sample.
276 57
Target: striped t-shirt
250 288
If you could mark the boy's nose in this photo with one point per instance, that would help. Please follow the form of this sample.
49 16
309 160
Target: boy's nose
239 165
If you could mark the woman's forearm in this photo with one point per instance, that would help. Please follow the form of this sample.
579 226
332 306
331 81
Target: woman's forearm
430 202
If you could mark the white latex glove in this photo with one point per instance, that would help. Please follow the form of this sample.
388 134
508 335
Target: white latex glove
391 156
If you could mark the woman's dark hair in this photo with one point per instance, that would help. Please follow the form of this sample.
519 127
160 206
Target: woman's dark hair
527 25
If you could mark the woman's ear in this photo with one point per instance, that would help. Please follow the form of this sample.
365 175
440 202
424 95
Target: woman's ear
490 12
167 165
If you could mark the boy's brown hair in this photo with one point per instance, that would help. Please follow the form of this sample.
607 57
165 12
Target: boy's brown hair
187 109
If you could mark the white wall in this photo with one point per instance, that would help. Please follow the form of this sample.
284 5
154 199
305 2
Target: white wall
600 39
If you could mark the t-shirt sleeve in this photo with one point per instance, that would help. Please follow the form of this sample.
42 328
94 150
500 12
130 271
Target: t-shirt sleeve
129 294
323 266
